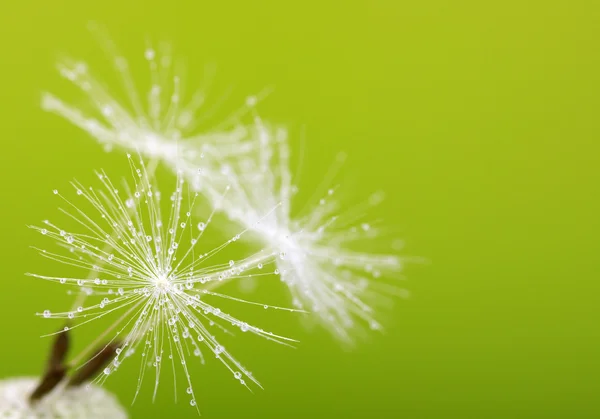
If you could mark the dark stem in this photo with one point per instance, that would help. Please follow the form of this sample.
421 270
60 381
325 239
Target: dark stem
57 368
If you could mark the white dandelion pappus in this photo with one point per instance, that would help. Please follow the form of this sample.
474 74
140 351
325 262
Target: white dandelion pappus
322 271
89 402
150 273
321 260
164 123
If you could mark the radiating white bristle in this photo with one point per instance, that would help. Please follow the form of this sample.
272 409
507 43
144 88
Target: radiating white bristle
151 273
330 264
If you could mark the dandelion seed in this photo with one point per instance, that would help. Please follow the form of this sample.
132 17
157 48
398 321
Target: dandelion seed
162 122
153 306
320 257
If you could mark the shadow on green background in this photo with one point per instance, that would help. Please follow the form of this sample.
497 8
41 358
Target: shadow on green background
480 122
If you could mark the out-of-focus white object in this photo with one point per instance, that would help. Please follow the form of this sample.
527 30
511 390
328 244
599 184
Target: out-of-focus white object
87 401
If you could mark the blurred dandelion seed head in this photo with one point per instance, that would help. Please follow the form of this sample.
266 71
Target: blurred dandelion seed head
160 121
321 246
90 402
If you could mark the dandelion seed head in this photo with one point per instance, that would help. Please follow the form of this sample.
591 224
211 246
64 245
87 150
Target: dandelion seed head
91 402
323 263
160 120
320 247
149 289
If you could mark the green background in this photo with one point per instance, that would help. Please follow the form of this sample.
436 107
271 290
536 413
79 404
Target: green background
479 120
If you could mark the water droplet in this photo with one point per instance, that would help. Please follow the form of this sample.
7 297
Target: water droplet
47 313
374 325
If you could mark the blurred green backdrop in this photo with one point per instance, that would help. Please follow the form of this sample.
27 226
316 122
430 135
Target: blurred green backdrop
480 121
